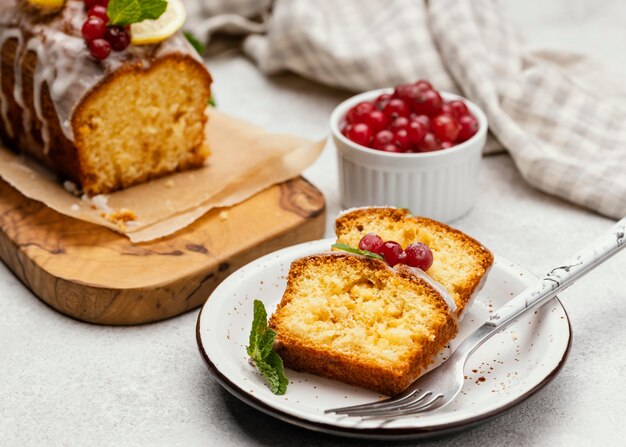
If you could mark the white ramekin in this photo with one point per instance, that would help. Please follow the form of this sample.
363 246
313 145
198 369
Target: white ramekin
442 185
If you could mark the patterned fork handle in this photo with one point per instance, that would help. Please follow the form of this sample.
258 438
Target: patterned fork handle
561 277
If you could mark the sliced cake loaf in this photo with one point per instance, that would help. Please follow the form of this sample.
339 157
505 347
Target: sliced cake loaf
460 262
103 124
357 320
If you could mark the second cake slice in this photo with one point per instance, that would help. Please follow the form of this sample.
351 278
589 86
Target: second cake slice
357 320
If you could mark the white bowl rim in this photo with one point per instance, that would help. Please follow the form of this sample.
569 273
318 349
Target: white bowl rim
340 111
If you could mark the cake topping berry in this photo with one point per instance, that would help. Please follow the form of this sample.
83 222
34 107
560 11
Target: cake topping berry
415 118
108 24
371 242
98 11
416 254
93 28
392 252
419 255
118 37
99 49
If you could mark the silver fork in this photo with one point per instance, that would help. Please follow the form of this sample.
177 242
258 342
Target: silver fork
440 386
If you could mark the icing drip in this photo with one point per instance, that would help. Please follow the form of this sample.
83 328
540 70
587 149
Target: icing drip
5 35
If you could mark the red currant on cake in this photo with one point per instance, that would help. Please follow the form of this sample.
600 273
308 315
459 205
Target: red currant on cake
418 255
371 242
392 252
99 48
118 37
93 28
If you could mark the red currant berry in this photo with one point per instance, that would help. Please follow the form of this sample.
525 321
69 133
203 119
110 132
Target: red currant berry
377 120
409 93
429 143
401 139
381 102
360 133
458 107
371 242
447 144
345 129
94 28
419 255
446 127
99 11
391 148
356 113
416 132
469 127
447 109
118 37
91 3
382 139
396 107
99 49
392 252
424 85
430 104
400 122
422 119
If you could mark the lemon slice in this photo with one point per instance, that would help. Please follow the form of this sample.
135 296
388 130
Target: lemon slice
48 5
155 31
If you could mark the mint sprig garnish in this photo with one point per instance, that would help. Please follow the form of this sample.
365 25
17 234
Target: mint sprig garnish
195 43
126 12
357 251
262 353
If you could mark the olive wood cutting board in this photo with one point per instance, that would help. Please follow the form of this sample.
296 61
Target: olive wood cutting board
96 275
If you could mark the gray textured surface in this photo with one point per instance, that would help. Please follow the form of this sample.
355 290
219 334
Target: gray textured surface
68 383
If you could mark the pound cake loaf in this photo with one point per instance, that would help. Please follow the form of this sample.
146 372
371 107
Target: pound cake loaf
103 124
460 262
357 320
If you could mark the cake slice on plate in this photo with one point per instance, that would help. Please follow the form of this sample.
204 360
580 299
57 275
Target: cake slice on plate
357 320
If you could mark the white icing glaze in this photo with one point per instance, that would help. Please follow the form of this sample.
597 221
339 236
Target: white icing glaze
437 286
4 103
63 61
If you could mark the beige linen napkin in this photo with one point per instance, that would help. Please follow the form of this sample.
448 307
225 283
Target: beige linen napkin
565 138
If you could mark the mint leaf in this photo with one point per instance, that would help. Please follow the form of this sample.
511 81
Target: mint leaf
127 12
259 326
123 12
261 351
152 9
279 379
211 101
369 254
193 40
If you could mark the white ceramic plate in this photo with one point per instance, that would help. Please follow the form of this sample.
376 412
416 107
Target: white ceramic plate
507 369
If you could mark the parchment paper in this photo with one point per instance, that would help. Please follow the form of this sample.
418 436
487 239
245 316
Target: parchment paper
245 159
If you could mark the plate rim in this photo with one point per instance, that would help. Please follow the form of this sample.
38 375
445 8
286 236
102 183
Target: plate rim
399 433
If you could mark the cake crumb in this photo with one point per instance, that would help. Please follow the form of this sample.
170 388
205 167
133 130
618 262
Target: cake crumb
75 208
223 215
121 217
169 183
72 188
